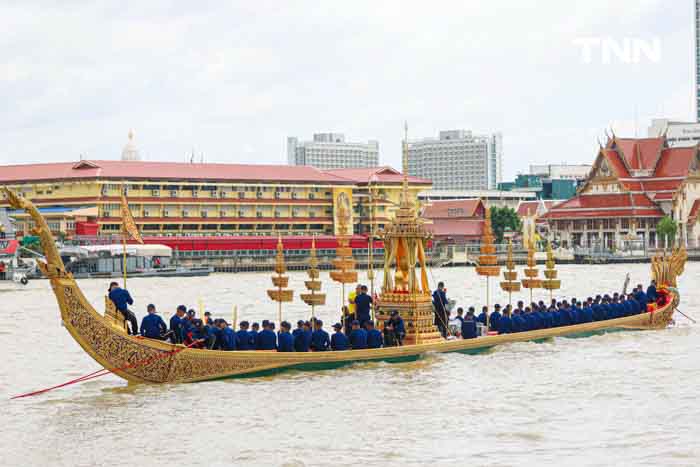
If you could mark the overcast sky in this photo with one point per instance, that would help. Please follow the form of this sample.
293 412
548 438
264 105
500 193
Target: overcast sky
234 81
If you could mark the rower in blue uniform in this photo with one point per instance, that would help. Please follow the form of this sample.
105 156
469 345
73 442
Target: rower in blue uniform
494 318
469 325
358 336
598 310
363 306
374 336
285 340
152 325
253 333
482 316
635 307
299 329
517 321
266 340
176 336
641 297
320 341
651 292
122 299
505 323
399 326
339 341
227 338
587 311
243 339
302 341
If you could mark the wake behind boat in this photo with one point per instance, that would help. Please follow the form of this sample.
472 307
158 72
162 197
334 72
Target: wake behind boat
405 289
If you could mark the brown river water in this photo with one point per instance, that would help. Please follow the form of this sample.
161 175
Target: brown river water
623 398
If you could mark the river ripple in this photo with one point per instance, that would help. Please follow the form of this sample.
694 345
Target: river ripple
626 398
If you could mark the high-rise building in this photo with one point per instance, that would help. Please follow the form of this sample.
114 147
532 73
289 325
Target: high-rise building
678 134
331 151
458 160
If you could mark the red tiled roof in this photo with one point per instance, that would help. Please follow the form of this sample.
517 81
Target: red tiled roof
665 196
675 162
120 170
616 163
605 213
375 175
457 227
532 207
607 205
693 216
452 209
640 153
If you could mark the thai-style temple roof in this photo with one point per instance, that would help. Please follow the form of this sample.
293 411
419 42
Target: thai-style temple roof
462 208
630 178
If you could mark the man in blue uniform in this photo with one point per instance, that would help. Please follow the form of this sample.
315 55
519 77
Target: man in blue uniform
440 306
641 298
302 341
266 340
152 325
339 341
635 308
227 339
320 341
587 312
517 321
651 292
243 338
483 315
176 336
598 311
399 327
122 299
469 325
363 306
494 318
505 323
254 331
299 329
285 340
358 336
374 336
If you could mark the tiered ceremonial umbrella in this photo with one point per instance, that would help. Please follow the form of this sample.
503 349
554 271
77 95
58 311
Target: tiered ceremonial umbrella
344 263
551 283
313 298
488 261
280 294
511 283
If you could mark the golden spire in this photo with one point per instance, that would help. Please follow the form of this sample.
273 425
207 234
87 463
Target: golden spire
511 283
314 284
531 282
280 294
344 262
551 283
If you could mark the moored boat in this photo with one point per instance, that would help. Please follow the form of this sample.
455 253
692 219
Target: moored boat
405 288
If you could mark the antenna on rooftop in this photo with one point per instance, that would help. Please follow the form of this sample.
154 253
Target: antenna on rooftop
192 156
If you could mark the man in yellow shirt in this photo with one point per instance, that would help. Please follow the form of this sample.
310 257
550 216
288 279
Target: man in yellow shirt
349 311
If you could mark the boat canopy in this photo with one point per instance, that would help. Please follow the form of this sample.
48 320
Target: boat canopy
132 250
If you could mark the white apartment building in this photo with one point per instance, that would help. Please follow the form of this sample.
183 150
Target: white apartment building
331 151
457 160
561 171
678 134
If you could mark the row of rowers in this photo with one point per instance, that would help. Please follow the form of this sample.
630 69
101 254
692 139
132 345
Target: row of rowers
216 334
540 316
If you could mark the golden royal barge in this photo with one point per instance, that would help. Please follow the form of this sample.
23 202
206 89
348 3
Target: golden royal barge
405 288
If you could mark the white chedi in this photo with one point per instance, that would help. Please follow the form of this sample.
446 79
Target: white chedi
130 153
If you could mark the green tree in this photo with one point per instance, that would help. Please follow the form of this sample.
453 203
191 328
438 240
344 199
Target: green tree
503 218
666 230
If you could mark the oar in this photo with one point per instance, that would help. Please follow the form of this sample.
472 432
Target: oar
691 319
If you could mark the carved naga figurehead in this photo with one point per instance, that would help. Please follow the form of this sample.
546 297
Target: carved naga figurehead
666 268
54 264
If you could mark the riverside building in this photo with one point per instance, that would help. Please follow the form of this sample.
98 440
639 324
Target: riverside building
331 151
632 185
174 198
457 160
